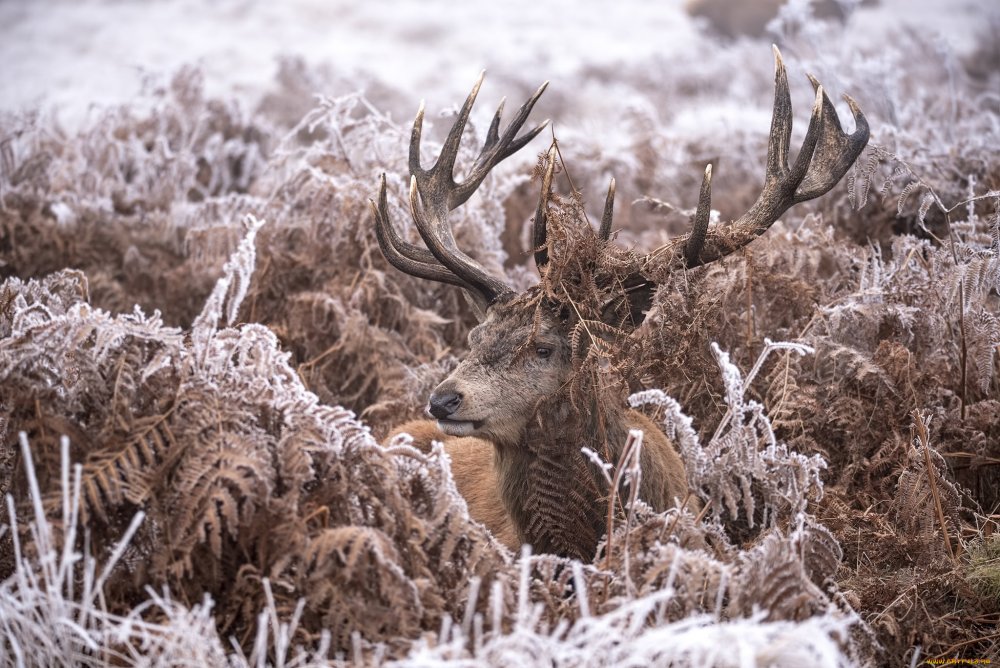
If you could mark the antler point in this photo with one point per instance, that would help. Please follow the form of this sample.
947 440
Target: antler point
475 88
855 109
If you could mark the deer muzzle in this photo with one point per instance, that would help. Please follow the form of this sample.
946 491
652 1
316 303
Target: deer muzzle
443 405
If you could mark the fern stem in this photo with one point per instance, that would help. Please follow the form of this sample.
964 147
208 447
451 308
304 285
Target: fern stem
963 346
562 161
932 481
749 279
964 352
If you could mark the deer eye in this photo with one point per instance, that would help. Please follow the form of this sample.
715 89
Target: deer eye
543 352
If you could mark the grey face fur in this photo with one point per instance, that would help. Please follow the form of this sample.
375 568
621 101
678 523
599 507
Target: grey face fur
512 364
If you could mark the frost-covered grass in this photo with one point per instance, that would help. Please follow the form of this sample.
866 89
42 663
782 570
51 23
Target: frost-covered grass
53 608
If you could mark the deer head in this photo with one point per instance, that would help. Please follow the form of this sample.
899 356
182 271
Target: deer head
520 353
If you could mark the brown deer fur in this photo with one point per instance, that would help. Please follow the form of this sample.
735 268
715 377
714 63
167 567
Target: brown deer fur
475 472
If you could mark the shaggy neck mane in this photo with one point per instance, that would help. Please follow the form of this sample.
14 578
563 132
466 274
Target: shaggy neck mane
554 494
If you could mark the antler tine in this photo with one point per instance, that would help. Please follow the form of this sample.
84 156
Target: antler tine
438 237
508 144
780 182
604 233
493 134
496 149
827 153
539 227
434 192
441 175
836 150
444 166
403 255
696 240
440 178
781 121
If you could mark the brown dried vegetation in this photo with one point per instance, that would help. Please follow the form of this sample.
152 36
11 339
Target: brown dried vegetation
843 488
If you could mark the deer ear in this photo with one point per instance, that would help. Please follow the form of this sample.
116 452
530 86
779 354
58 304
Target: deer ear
628 308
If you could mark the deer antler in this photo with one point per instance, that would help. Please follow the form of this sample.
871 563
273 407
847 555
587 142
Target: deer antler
539 227
826 154
434 193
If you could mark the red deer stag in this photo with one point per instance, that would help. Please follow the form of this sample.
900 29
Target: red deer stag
504 414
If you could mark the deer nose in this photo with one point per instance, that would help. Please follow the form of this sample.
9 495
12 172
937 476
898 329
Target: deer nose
443 404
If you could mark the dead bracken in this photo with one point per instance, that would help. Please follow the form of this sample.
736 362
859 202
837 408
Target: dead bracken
833 390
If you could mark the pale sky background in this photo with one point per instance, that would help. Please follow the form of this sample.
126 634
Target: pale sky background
71 54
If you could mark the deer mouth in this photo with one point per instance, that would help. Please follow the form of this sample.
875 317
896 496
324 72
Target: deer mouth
459 427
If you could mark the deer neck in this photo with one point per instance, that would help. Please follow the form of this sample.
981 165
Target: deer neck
555 496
